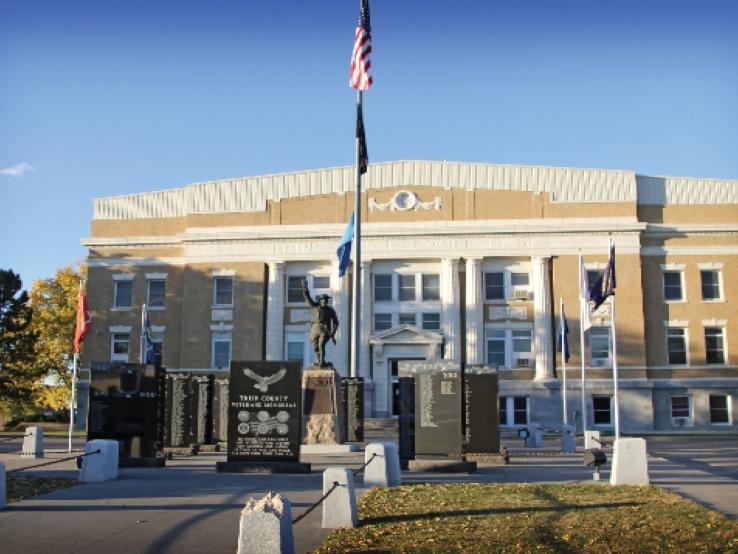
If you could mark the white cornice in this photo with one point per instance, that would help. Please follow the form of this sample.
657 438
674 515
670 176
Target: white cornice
690 229
689 250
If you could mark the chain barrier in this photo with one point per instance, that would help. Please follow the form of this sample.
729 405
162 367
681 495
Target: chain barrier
318 503
8 439
54 461
362 468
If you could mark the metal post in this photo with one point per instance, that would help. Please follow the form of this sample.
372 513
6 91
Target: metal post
616 398
73 401
582 306
563 357
356 300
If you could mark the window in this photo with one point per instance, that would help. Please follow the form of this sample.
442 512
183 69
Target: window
119 346
510 347
714 345
518 280
673 286
294 289
494 286
601 410
710 280
719 409
407 288
681 410
123 294
322 282
295 347
431 287
221 350
383 288
592 276
223 291
407 319
676 344
431 321
496 347
513 410
157 340
599 346
382 322
156 294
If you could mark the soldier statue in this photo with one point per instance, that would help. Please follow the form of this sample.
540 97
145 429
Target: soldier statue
325 324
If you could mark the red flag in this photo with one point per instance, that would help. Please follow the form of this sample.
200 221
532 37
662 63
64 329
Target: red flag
359 77
84 321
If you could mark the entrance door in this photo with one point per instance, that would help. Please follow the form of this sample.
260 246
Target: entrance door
395 383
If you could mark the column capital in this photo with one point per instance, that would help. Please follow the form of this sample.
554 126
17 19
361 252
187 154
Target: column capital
450 261
472 261
540 259
276 265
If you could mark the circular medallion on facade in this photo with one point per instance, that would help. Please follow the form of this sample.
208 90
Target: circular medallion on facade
243 428
243 416
263 415
263 428
282 429
404 200
283 416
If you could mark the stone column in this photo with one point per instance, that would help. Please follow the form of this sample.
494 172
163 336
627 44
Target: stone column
450 308
275 312
542 340
474 312
340 292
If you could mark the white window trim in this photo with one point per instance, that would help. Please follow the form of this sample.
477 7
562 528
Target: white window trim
510 359
510 411
214 295
673 267
714 266
123 277
155 277
592 408
729 406
689 420
725 344
115 307
224 272
686 344
220 337
682 288
721 298
508 289
309 276
118 357
601 324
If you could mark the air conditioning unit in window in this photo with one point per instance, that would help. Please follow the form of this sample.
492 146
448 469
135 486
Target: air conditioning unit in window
520 295
680 421
600 362
523 362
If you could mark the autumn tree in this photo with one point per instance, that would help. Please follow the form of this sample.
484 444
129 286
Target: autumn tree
19 377
54 303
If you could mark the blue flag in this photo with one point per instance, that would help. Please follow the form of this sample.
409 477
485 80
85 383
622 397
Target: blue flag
148 338
344 247
564 331
604 286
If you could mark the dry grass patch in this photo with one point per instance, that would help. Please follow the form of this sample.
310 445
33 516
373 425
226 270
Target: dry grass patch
20 487
526 518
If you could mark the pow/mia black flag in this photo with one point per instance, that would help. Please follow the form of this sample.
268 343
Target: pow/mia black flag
363 156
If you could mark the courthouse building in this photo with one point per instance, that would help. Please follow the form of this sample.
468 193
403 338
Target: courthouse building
460 261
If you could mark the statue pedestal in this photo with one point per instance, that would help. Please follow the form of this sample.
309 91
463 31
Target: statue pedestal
322 410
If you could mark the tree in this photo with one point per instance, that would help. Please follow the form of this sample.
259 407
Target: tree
54 303
18 376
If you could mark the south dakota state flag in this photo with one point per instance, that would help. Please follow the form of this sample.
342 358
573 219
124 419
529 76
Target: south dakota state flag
344 247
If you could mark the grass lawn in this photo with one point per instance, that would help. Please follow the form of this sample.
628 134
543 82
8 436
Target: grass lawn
524 518
20 487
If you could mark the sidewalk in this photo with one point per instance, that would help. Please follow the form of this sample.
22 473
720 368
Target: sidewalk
188 507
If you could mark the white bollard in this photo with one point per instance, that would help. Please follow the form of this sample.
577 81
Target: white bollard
592 440
33 443
266 526
102 466
3 496
339 508
384 469
568 439
629 462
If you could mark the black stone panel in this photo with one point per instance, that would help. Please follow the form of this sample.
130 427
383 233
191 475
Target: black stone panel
352 399
481 414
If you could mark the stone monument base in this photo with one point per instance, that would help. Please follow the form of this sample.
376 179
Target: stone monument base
322 414
488 458
440 465
262 467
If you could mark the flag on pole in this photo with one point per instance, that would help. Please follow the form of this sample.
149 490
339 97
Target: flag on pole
84 320
149 355
363 155
359 77
584 295
604 286
564 334
344 247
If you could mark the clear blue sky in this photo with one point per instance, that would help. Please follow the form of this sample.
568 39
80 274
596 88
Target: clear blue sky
106 98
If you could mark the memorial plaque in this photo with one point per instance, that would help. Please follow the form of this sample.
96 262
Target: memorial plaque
264 412
481 415
220 409
319 395
407 417
201 401
124 406
177 412
352 399
438 395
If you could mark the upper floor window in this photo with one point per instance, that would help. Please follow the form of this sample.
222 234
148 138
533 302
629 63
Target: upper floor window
510 347
431 286
431 321
599 346
673 288
321 282
710 280
382 322
407 319
294 289
714 345
223 291
406 284
383 287
120 347
511 284
221 350
123 294
676 345
156 293
494 286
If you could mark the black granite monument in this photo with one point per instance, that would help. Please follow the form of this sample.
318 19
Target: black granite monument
352 399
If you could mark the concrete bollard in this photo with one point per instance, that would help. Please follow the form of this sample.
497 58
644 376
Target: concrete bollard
384 469
266 526
629 462
568 439
339 509
33 443
102 466
591 440
3 495
534 437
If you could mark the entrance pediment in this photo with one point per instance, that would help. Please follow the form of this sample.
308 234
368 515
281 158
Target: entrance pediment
406 334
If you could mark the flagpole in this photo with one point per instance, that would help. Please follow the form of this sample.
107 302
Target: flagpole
616 397
356 300
73 401
582 307
562 326
143 333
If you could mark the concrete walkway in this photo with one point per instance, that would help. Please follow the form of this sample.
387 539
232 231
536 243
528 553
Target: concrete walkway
188 507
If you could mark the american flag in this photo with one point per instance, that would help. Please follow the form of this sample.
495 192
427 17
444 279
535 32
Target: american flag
359 77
